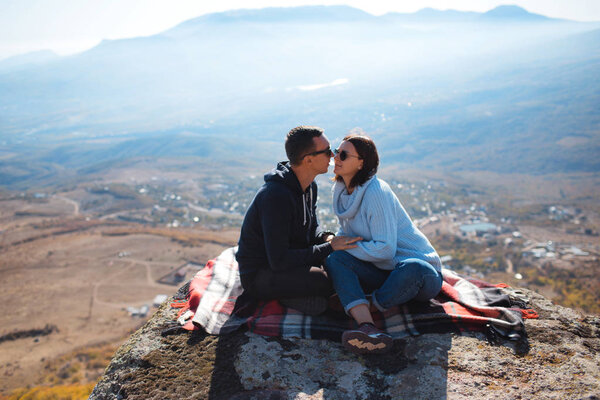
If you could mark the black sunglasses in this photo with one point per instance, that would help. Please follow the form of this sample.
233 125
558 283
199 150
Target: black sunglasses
327 151
343 154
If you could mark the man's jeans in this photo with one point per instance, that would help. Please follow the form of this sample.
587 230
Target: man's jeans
267 284
412 279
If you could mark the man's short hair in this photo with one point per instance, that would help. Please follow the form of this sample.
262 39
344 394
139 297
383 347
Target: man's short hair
299 141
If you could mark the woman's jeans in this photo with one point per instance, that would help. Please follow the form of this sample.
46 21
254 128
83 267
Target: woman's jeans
411 279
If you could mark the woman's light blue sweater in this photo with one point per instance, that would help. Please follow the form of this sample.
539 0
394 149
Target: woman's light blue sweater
374 213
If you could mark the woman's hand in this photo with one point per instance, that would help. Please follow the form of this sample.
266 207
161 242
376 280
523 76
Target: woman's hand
344 242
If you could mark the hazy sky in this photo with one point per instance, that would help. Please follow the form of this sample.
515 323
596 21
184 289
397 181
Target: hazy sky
69 26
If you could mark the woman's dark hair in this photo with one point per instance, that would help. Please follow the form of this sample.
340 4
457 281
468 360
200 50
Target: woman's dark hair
365 147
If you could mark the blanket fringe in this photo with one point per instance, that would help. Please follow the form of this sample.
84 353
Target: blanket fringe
183 305
179 304
529 313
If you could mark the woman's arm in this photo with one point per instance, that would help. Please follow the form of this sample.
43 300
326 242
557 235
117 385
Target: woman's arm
379 211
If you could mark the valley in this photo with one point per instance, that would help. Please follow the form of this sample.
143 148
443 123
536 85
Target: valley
84 260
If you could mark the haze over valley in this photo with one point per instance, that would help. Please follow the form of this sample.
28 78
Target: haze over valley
504 91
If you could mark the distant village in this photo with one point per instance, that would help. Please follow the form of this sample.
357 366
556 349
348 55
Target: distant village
222 204
434 205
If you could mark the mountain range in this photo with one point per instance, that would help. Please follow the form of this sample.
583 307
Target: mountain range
504 91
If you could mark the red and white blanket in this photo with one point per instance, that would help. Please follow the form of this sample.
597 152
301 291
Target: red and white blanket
464 304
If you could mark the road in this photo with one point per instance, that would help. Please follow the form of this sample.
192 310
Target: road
70 201
131 264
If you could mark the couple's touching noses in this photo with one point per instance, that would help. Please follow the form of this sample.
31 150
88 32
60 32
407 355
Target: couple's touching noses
378 258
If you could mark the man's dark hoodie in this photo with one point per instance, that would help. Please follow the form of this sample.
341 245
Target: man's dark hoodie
280 229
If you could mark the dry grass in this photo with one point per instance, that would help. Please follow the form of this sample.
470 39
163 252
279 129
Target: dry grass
55 227
66 392
92 270
69 377
182 236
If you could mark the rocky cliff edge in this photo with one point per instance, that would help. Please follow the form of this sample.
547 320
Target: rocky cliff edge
560 359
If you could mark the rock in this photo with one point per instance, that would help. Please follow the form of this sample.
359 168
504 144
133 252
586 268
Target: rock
559 360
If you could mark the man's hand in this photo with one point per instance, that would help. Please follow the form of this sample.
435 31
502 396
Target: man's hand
344 242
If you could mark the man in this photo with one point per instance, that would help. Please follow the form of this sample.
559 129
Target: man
281 246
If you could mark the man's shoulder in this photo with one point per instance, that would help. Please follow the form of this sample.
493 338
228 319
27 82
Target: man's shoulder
274 190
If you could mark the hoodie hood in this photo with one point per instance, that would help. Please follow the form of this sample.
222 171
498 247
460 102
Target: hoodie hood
283 173
347 205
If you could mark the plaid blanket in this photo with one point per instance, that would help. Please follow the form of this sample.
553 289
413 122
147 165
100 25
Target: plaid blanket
464 304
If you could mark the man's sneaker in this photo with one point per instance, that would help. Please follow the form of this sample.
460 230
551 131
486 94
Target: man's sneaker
367 339
313 305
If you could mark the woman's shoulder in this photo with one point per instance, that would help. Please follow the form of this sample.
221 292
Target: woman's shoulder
376 185
378 188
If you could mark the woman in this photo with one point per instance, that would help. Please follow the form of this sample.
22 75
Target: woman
394 261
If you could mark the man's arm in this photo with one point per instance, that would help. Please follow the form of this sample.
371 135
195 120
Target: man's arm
276 221
319 235
383 226
324 236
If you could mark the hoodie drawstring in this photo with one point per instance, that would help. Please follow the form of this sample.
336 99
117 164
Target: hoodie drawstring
309 206
304 207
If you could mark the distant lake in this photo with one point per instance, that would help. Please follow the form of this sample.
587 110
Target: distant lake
478 227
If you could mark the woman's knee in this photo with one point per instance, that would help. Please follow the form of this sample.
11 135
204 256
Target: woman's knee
427 278
432 285
431 282
416 268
